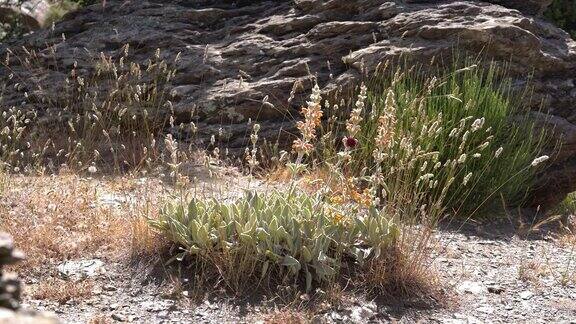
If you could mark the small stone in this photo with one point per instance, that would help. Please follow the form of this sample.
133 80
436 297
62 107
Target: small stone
118 317
471 287
109 288
526 295
487 309
465 319
111 200
81 269
336 317
495 289
361 314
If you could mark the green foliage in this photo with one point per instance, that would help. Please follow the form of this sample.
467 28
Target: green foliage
12 27
59 9
291 235
568 206
563 14
458 141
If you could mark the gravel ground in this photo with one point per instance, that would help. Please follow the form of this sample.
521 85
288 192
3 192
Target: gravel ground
501 278
488 273
492 278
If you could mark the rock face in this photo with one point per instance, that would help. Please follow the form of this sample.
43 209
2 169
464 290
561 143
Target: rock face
236 53
33 13
9 285
10 289
531 7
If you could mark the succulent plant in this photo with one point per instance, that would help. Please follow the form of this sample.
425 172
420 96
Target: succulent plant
291 232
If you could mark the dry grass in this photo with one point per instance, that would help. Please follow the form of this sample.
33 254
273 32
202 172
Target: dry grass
538 271
531 271
64 217
62 291
286 316
402 275
99 319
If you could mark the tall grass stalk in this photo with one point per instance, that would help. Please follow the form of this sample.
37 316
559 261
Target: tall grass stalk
449 141
111 116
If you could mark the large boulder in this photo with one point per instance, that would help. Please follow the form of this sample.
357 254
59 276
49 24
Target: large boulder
9 284
532 7
32 13
236 53
10 289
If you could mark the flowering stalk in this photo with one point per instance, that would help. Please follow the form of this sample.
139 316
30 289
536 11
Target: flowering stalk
312 115
353 123
251 157
384 139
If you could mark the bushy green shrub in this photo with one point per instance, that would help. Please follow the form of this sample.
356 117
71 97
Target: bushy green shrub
568 206
454 140
59 9
289 234
563 14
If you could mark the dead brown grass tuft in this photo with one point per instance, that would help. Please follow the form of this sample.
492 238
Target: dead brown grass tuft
64 217
99 319
62 291
286 316
531 271
402 275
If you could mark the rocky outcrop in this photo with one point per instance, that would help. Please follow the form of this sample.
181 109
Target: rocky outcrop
236 53
10 289
32 13
530 7
9 284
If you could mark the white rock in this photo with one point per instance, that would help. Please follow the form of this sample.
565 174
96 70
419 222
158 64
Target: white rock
111 200
472 287
526 294
81 269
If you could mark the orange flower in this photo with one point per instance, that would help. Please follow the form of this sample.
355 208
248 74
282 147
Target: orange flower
362 198
338 200
338 218
312 118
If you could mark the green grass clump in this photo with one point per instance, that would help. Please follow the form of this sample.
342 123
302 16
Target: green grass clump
58 9
456 141
289 235
568 206
563 14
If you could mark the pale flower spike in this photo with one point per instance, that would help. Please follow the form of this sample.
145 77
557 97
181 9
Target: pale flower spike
539 160
498 152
